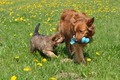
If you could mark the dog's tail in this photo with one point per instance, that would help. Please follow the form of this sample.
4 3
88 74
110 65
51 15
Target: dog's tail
36 29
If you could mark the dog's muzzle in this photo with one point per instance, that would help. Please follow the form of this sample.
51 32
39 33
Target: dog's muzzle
83 40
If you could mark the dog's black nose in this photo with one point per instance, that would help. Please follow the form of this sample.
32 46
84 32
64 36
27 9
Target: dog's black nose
76 40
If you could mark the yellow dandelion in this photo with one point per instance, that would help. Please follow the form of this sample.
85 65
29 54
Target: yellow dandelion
45 22
16 19
23 42
13 78
40 18
53 28
35 60
34 72
32 16
5 25
15 41
26 69
97 53
7 47
88 59
50 30
17 57
44 60
48 19
31 34
38 31
29 23
50 24
40 64
21 18
89 73
11 13
15 35
24 20
52 78
18 14
96 18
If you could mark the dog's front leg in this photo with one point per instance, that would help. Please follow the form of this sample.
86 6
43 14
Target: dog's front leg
69 47
50 54
32 48
79 57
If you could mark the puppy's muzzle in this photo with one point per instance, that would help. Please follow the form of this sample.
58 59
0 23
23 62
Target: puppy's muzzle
63 41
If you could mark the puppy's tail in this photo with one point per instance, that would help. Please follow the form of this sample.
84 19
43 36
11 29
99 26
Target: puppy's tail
36 29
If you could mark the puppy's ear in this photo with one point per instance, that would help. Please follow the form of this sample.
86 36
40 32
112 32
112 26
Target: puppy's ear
54 38
90 22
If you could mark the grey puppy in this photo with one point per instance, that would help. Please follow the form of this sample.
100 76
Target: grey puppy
45 44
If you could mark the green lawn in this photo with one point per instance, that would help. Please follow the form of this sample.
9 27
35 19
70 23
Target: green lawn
18 19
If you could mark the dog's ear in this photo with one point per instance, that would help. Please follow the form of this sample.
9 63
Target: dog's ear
90 22
54 37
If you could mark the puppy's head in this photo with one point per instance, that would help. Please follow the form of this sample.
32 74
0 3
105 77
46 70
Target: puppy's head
84 29
57 38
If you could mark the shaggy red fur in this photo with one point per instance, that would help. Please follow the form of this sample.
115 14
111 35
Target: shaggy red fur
79 25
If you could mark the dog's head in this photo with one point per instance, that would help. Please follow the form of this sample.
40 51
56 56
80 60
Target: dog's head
57 38
84 29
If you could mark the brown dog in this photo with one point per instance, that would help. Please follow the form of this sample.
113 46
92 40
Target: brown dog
78 25
45 44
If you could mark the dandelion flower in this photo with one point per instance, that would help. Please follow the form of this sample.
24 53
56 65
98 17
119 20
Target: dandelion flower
50 24
26 69
21 18
29 23
16 57
45 22
16 19
18 14
13 17
97 53
38 31
89 73
88 59
40 64
50 30
52 78
96 18
44 60
23 42
31 34
24 20
35 60
5 25
53 28
48 19
13 78
34 72
15 35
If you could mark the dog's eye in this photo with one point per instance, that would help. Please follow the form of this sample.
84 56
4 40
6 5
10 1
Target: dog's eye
81 31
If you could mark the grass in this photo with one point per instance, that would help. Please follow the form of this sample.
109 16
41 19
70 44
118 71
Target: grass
18 19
